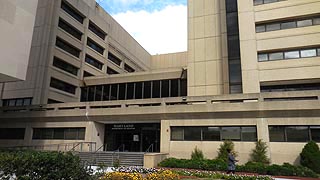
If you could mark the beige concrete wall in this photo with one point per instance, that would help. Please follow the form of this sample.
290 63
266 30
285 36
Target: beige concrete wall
17 19
43 49
279 152
94 133
255 73
171 60
206 38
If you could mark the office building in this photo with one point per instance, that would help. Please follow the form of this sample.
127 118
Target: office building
251 72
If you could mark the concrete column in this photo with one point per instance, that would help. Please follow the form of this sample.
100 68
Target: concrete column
165 136
263 133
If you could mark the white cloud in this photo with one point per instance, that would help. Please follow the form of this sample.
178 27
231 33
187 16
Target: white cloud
159 32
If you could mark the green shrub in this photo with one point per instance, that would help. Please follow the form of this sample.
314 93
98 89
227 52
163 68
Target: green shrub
253 167
42 165
310 156
197 154
259 154
222 152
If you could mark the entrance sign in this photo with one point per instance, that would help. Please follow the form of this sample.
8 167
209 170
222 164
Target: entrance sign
123 127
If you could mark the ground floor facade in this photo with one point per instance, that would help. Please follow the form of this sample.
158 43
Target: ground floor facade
172 126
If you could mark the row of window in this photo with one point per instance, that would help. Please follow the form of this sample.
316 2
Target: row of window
288 24
135 90
92 61
12 133
234 133
17 102
62 86
59 133
290 54
294 133
290 87
73 12
259 2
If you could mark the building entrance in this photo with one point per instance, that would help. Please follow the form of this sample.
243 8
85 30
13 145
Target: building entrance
133 137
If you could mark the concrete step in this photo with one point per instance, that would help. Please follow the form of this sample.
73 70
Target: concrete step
109 158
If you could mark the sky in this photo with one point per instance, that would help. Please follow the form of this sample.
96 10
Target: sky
160 26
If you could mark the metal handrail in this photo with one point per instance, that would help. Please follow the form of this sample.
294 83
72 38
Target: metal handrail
150 147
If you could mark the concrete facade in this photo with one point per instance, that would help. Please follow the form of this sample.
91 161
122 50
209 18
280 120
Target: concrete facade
17 20
209 101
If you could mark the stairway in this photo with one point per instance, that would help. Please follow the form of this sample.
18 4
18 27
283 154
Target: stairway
111 158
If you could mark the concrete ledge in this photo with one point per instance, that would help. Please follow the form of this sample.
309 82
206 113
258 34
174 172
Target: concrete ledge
152 160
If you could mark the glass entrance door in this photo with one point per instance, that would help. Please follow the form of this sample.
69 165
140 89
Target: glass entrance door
133 137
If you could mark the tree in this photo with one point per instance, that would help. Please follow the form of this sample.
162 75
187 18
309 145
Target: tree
222 152
259 154
197 154
310 156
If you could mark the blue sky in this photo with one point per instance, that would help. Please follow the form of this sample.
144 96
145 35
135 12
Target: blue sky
160 26
120 6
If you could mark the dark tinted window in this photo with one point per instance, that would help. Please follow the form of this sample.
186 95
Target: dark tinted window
70 29
63 86
12 133
86 74
128 68
72 12
65 66
192 133
111 71
114 59
297 134
17 102
67 47
95 46
96 30
59 133
211 134
90 60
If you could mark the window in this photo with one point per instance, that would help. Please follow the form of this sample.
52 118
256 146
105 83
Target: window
177 133
288 25
52 101
192 133
296 23
165 88
262 57
290 87
294 54
67 47
260 28
86 74
316 21
12 133
130 90
230 133
59 133
211 134
273 27
95 63
114 59
308 53
248 134
96 30
291 55
128 68
304 23
111 71
276 134
147 89
259 2
276 56
72 12
63 86
294 133
70 29
297 134
315 133
139 90
65 66
98 93
156 89
95 46
17 102
199 133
